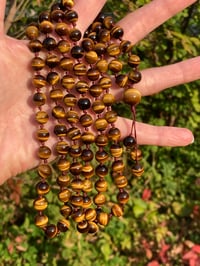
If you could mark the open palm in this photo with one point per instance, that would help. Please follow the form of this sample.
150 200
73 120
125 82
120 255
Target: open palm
16 128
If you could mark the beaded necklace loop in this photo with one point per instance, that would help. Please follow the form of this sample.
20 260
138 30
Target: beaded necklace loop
72 81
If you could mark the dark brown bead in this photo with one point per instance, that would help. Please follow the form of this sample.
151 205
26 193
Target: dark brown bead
62 29
90 214
101 185
70 100
77 185
51 231
63 225
53 78
37 63
42 188
96 26
108 22
121 181
116 150
82 86
123 197
111 117
105 83
56 94
66 210
39 81
39 98
44 170
95 90
58 112
41 221
42 117
75 151
57 15
80 69
132 96
113 50
100 48
129 141
46 26
87 137
49 43
98 106
101 140
93 74
121 80
103 218
87 44
114 134
77 52
40 204
92 228
87 155
72 117
68 82
104 36
87 172
117 32
60 130
82 227
71 16
93 36
99 199
44 152
117 210
78 216
118 166
63 46
52 60
74 133
86 120
133 60
101 170
64 195
42 134
84 103
76 168
66 63
125 46
108 99
137 170
115 66
62 147
101 156
75 35
63 180
35 46
91 57
134 76
32 32
102 66
45 15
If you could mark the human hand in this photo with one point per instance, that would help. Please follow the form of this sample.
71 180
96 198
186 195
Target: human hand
16 127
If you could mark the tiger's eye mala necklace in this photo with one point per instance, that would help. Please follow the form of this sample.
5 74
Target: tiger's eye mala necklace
73 77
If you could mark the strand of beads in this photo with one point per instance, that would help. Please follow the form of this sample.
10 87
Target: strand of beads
79 76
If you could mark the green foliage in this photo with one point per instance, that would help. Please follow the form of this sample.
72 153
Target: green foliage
169 214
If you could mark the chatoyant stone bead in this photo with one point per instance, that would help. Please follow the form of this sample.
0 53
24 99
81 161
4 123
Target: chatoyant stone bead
132 96
99 199
101 140
44 152
60 130
101 170
87 155
45 15
63 180
121 80
72 117
87 172
114 134
63 164
123 197
63 225
75 35
108 99
134 76
62 29
52 60
103 218
42 188
115 66
102 66
93 36
137 170
111 117
58 112
51 231
66 63
87 185
78 216
91 57
93 74
32 32
136 154
39 81
105 83
133 60
68 82
87 137
44 170
117 210
86 120
95 90
100 48
118 166
77 52
82 227
129 141
117 32
46 26
77 201
108 22
68 3
113 50
82 86
53 78
42 135
116 150
64 195
98 106
87 44
71 16
41 220
104 36
35 46
125 46
76 168
49 43
121 181
87 202
37 63
66 210
92 228
101 156
75 151
74 133
101 124
40 204
84 103
80 69
63 46
77 184
101 185
70 100
56 94
57 15
42 117
96 26
90 214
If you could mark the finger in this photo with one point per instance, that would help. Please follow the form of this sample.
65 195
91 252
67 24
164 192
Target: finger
157 135
142 21
87 10
2 14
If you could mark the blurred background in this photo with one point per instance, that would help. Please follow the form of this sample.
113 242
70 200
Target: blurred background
161 224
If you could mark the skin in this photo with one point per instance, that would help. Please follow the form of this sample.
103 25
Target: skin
16 128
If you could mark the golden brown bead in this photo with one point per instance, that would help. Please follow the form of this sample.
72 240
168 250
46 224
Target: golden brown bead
63 46
111 117
82 227
63 164
42 117
41 220
87 137
100 48
102 66
103 218
117 32
45 15
44 170
64 195
56 14
114 134
93 74
52 60
108 99
75 151
108 22
78 216
121 80
101 170
72 117
104 36
95 90
49 43
101 156
44 152
92 228
117 210
134 76
116 150
77 52
87 44
86 120
58 112
105 83
99 199
61 29
76 201
32 32
87 185
70 100
98 106
39 98
37 63
87 155
53 78
66 63
42 188
51 231
63 180
60 130
101 185
80 69
40 204
132 96
35 46
113 50
101 140
91 57
136 155
87 202
123 197
42 135
137 170
67 3
68 82
39 81
133 60
82 86
66 210
90 214
76 168
74 133
121 181
115 66
100 124
71 16
63 225
87 172
125 46
46 26
56 94
75 35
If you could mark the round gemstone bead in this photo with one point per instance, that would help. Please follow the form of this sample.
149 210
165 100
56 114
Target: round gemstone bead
41 220
44 152
42 117
87 44
46 26
35 46
101 185
129 141
52 60
51 231
53 78
72 117
32 32
99 199
62 147
63 46
132 96
101 170
103 218
42 188
75 35
62 29
84 103
49 43
60 130
66 210
44 170
42 135
71 16
77 52
63 164
63 225
70 100
133 60
87 155
100 124
123 197
117 210
37 63
58 112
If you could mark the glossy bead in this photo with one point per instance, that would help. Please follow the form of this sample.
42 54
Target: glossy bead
101 140
63 180
45 15
87 44
49 43
40 204
133 60
87 137
64 195
67 3
125 46
103 218
42 188
39 81
74 133
90 214
75 35
132 96
134 76
60 130
98 106
101 170
95 90
66 210
129 141
84 103
93 74
75 151
77 184
86 120
92 228
42 135
63 46
104 36
70 100
87 155
101 156
121 80
76 168
99 199
62 29
35 46
53 78
41 220
118 166
44 170
68 82
113 50
116 150
37 63
62 147
87 172
51 231
108 22
111 117
78 216
137 170
52 60
82 86
76 201
87 202
100 48
46 26
72 117
77 52
82 227
102 66
87 186
42 117
96 26
63 164
121 181
115 66
56 94
105 83
56 15
32 32
123 197
58 112
117 210
91 57
63 225
80 69
100 124
117 32
114 134
71 16
136 154
66 63
101 185
108 99
44 152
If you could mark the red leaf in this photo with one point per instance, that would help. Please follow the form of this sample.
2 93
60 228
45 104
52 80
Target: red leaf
146 194
196 248
153 263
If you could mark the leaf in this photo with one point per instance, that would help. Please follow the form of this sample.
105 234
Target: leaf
139 207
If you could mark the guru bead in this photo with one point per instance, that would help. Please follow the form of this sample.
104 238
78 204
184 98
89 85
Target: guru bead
132 96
